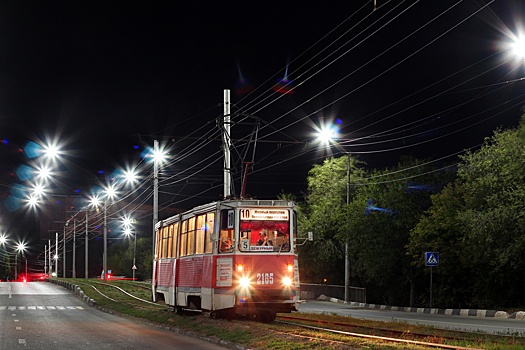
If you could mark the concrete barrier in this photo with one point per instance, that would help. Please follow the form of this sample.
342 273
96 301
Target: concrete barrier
520 315
75 289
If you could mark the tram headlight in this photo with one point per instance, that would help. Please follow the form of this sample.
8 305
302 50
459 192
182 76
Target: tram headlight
287 281
289 267
244 282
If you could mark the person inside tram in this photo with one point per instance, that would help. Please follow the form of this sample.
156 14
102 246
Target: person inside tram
263 239
226 244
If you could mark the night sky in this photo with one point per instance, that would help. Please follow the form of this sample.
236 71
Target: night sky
421 78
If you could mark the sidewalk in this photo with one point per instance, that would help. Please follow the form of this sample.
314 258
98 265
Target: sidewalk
520 315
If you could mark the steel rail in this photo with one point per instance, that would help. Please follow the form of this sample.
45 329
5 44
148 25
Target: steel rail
375 337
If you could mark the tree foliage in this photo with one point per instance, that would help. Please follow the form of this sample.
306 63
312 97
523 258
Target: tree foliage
324 214
120 258
373 215
477 224
384 210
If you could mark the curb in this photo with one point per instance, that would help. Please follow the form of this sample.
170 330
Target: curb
520 315
75 289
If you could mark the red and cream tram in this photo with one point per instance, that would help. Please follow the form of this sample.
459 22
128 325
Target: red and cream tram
229 257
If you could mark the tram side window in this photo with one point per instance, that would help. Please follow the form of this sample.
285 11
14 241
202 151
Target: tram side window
169 243
200 233
226 241
227 230
175 238
191 236
210 227
158 247
184 238
165 242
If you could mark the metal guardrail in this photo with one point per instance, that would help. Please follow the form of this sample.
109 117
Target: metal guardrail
313 291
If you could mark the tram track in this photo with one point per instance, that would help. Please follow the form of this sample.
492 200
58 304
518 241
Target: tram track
135 301
341 333
390 339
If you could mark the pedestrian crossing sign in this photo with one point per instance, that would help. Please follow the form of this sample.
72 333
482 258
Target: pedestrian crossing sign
431 258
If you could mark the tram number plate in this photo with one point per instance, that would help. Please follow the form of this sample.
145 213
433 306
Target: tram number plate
265 278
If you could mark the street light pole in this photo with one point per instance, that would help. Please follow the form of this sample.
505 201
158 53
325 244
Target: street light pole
56 254
74 273
134 254
347 259
105 257
155 190
49 270
16 266
86 248
64 254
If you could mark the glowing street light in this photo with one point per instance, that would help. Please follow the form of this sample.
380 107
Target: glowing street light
518 47
20 248
127 223
159 156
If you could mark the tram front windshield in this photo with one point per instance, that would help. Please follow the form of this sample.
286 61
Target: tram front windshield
264 236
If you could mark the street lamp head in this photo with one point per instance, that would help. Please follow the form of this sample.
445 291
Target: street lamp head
127 221
111 192
21 247
159 155
95 201
327 134
32 201
518 47
43 172
127 231
131 176
51 151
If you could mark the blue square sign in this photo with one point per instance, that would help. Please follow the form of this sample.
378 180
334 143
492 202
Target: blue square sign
431 258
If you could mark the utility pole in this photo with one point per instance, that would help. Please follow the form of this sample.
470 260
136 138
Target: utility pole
86 248
56 254
74 275
50 270
347 259
64 254
105 255
226 144
155 190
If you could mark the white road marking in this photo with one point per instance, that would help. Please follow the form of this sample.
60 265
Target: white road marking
21 341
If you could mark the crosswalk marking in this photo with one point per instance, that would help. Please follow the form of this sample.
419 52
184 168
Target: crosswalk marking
39 308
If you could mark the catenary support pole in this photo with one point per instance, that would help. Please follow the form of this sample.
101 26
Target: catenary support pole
86 249
226 144
74 273
64 254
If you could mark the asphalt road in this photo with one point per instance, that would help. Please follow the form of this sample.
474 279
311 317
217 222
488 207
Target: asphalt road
473 324
38 315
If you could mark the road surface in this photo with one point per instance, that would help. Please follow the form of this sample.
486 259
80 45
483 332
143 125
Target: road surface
39 315
485 324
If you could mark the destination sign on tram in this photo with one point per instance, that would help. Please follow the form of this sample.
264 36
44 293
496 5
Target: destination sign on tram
264 214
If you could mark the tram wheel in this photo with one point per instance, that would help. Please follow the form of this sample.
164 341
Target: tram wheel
179 310
266 316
